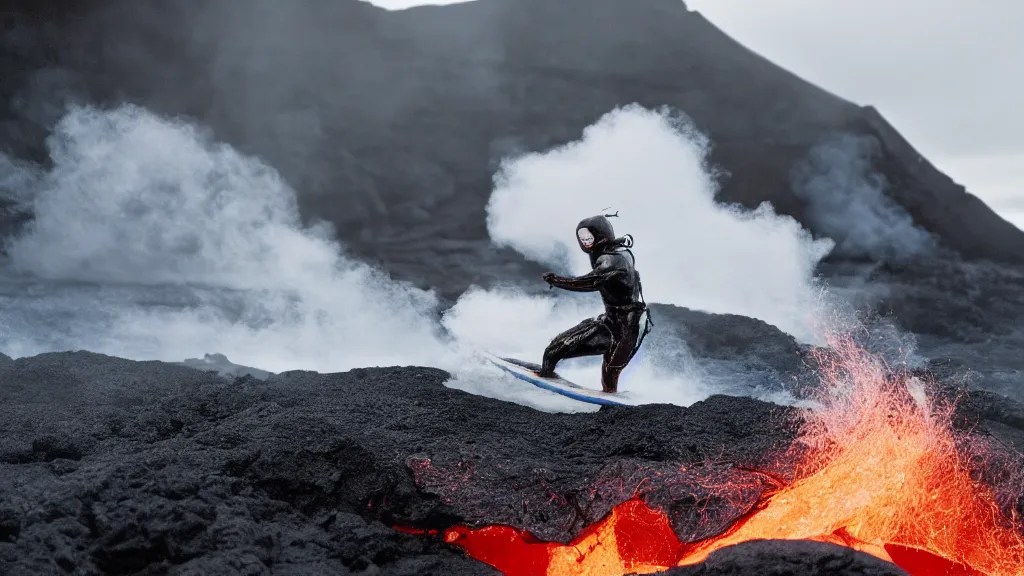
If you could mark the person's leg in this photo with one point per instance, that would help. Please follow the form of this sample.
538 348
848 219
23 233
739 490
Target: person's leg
590 337
627 331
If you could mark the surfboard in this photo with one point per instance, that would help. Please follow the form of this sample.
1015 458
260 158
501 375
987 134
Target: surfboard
527 371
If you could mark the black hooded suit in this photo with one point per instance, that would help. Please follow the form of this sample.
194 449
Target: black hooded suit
615 333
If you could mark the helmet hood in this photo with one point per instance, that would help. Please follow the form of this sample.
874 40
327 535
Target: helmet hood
599 228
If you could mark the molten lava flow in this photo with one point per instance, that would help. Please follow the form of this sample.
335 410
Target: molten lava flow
883 475
633 539
885 471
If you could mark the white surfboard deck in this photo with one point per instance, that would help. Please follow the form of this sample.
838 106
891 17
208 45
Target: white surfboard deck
527 371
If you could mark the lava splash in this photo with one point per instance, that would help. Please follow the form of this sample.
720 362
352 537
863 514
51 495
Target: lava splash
880 472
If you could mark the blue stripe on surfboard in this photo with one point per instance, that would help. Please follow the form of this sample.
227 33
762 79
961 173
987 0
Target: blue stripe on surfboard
541 383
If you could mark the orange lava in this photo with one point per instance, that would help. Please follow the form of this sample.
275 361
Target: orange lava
633 539
883 475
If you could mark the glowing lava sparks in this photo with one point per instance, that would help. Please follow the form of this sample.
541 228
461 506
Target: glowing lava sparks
881 473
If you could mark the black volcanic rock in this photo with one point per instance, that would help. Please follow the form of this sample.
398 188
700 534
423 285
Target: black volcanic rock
114 466
389 124
964 320
741 356
953 301
805 558
219 364
146 468
731 337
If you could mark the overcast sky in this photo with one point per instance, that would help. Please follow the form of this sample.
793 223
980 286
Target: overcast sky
948 74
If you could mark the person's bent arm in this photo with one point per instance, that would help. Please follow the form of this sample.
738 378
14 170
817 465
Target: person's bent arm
589 282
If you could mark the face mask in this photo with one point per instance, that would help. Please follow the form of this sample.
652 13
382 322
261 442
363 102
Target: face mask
586 238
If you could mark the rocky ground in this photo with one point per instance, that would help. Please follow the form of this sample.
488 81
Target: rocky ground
119 467
803 558
964 320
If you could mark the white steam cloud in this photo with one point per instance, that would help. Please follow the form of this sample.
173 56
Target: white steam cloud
152 241
137 199
690 251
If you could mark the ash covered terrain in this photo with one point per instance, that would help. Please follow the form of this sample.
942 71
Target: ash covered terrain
250 253
114 466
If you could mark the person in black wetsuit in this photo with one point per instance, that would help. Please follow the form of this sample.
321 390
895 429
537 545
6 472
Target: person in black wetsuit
616 333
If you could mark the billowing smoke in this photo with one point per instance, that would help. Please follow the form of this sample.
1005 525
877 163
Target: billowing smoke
152 240
177 246
846 200
18 180
651 168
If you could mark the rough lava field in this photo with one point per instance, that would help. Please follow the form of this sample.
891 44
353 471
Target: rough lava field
249 255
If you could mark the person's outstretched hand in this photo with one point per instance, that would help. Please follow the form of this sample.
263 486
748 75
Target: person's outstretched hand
548 277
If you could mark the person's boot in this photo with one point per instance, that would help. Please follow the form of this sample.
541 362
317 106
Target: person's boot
547 367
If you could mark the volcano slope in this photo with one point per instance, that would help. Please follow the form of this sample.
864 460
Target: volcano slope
390 124
121 467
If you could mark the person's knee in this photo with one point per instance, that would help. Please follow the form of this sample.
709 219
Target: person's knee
555 349
552 355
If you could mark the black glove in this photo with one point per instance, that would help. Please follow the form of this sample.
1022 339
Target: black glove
549 277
